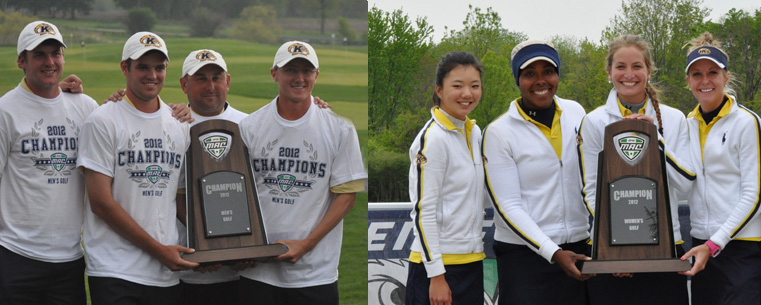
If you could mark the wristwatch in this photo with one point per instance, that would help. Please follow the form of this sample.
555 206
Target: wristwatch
714 249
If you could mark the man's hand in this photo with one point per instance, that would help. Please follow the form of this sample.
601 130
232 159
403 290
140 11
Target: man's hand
567 261
169 256
181 112
208 268
296 249
116 96
242 265
320 103
71 84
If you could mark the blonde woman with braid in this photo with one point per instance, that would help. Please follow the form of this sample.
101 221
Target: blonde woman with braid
630 67
724 144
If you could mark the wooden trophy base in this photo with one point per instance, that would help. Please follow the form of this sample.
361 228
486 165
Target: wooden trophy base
634 266
231 255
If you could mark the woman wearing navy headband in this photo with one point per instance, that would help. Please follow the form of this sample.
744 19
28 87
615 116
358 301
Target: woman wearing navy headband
633 96
724 145
533 182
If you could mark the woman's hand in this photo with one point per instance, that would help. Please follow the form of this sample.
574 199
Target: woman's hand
438 291
639 116
567 261
701 254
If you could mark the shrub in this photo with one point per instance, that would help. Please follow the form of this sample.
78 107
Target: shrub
140 19
257 23
388 172
204 22
10 26
345 30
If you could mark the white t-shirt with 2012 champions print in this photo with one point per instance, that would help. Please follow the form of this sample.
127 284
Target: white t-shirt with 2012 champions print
295 164
144 154
41 192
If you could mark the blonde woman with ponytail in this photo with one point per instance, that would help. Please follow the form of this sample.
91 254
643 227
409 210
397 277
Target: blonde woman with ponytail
724 145
633 96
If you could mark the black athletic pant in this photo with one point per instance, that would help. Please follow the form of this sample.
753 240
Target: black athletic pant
206 294
114 291
26 281
731 278
466 282
642 288
254 292
526 278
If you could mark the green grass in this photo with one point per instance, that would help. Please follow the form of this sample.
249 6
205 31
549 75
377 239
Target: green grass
352 270
342 83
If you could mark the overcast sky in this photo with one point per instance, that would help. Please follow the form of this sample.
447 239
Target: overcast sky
539 19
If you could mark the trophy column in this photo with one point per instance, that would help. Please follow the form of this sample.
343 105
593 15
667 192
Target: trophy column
633 230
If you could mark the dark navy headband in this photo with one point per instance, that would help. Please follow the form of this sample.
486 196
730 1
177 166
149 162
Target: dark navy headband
710 53
531 51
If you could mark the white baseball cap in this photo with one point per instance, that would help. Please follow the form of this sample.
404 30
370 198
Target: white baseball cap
142 42
35 33
295 49
199 58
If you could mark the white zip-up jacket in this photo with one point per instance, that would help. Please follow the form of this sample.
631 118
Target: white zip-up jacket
725 198
536 196
447 190
680 171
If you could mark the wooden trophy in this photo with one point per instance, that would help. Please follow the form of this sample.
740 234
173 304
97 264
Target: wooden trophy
224 221
633 230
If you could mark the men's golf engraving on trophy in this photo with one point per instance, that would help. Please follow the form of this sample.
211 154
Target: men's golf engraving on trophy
633 230
224 220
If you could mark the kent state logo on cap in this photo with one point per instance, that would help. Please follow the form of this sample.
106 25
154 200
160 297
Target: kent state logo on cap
295 49
199 58
142 42
707 52
35 33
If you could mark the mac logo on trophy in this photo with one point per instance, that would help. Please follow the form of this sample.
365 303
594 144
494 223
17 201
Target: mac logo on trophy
633 231
216 144
224 220
630 146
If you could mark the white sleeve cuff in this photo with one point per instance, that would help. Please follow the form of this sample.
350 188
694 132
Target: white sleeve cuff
434 268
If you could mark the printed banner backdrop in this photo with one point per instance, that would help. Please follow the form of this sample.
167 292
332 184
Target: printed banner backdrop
389 236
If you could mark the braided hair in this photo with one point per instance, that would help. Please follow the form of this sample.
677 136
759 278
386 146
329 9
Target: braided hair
642 45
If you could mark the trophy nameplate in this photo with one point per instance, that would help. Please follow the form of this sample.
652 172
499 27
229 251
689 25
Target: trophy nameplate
633 229
224 221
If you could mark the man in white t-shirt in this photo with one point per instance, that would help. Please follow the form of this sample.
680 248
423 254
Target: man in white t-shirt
41 193
132 155
308 168
205 81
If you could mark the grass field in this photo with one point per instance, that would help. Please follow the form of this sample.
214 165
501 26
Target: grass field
342 83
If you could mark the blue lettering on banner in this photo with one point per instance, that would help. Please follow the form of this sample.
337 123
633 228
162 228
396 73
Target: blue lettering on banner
389 234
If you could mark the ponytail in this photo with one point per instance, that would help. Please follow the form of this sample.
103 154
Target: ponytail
653 94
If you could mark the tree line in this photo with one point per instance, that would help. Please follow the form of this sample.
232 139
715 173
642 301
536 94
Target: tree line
402 60
178 9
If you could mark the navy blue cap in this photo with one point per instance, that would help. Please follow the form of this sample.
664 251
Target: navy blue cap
530 51
710 53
